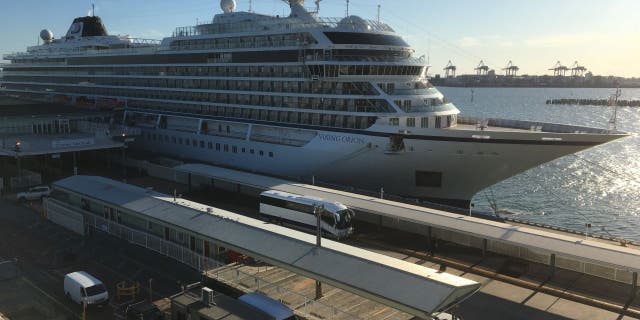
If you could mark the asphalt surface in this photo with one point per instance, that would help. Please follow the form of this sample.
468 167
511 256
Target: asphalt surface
46 252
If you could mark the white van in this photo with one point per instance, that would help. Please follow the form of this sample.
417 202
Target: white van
82 287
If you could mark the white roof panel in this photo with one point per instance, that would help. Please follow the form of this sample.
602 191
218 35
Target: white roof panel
591 250
406 286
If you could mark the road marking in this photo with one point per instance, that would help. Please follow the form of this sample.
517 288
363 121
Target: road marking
56 301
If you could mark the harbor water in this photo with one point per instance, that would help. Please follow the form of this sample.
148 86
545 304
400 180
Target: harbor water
600 186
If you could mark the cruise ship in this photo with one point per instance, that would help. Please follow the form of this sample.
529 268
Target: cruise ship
339 100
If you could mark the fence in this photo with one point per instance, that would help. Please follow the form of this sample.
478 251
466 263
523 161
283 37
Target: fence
26 179
214 269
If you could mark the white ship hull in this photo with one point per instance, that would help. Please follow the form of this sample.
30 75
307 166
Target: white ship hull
343 100
363 160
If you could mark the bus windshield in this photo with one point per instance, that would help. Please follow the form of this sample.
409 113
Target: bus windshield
344 218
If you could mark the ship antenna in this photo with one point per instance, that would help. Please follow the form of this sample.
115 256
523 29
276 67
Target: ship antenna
378 13
347 8
250 6
93 9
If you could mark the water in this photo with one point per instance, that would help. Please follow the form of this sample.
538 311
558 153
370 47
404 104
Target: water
600 186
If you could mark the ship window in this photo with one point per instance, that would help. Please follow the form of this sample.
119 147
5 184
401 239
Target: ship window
424 122
180 140
394 121
438 122
201 144
261 153
234 149
217 147
243 150
365 38
411 122
226 148
270 154
194 142
210 145
173 139
429 179
448 121
251 151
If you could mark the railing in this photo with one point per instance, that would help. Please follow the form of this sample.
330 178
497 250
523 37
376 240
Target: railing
363 58
533 125
83 52
278 24
407 92
301 304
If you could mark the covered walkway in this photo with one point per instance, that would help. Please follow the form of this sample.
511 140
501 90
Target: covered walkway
566 251
408 287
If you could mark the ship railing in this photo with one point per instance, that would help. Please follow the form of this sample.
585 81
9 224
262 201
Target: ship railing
406 92
531 125
278 24
389 58
83 51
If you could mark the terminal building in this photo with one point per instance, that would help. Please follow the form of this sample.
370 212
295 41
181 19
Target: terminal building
198 235
51 135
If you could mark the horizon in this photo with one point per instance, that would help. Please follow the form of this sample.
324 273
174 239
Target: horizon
534 35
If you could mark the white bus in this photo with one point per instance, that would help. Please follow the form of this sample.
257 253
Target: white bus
296 210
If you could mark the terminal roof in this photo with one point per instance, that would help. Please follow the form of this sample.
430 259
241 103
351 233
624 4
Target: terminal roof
590 250
403 285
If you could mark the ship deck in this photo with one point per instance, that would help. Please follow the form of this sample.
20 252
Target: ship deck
472 127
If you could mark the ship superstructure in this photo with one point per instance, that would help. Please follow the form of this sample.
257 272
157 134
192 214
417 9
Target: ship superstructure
342 100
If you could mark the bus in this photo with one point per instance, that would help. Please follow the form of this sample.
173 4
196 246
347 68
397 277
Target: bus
292 209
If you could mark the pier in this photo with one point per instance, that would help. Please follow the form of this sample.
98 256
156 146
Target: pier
594 102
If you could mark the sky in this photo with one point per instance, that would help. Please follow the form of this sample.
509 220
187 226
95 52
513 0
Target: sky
604 36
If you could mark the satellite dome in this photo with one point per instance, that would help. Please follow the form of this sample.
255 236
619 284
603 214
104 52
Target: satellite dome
46 35
354 23
228 6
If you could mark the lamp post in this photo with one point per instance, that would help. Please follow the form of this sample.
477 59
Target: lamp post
317 211
150 290
17 148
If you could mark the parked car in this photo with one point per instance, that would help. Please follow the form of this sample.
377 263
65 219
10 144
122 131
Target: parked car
34 193
82 287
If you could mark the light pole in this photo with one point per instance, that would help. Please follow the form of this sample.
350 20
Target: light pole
317 211
150 290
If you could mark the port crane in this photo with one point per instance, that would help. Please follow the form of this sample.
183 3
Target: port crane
559 70
482 69
450 70
577 70
511 70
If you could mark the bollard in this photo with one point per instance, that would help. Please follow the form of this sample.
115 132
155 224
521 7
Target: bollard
484 248
429 241
634 284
